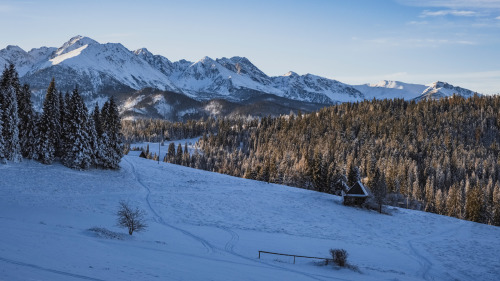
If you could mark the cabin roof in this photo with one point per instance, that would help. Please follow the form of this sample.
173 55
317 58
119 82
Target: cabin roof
357 190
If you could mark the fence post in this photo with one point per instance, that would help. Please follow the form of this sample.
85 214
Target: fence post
259 255
293 259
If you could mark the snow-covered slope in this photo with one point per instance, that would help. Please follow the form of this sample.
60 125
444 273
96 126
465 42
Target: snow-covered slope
391 90
440 89
98 65
314 88
59 224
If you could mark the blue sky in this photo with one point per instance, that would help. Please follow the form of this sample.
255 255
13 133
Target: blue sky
353 41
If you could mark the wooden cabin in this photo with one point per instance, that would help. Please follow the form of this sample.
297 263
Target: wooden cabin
355 195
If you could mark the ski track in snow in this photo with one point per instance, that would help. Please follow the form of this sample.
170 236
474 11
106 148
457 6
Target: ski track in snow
209 247
230 244
425 263
59 272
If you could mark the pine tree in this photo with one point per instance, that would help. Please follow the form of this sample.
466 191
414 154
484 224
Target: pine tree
379 189
171 153
100 148
112 138
429 195
93 141
8 90
78 155
2 142
474 204
353 175
178 155
454 202
496 206
49 126
440 202
62 143
27 123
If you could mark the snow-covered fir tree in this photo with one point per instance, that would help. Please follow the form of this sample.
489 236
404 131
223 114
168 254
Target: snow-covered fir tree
112 138
2 142
100 149
93 141
63 115
27 123
49 127
8 90
78 153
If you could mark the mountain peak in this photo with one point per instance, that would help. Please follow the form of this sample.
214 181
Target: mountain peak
388 84
75 43
143 52
14 48
291 74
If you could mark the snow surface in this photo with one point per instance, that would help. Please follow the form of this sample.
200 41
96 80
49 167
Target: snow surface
391 89
59 224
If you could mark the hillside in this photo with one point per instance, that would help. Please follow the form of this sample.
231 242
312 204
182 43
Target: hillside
207 226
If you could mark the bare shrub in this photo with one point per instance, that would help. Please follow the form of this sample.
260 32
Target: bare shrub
339 257
131 218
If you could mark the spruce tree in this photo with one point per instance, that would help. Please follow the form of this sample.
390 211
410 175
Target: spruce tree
93 141
113 140
178 155
8 90
49 126
379 189
99 153
353 175
171 153
78 155
496 206
2 142
63 116
27 123
474 204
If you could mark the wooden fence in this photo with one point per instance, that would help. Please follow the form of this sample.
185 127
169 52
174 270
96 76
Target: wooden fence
294 256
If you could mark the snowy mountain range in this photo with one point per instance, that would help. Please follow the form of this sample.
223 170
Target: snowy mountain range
101 70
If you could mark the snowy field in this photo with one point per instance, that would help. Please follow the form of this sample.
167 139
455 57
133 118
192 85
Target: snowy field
207 226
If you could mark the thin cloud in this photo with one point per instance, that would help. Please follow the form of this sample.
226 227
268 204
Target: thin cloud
457 13
418 22
498 18
417 42
453 4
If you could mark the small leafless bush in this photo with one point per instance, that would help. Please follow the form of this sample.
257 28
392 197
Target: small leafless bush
131 218
339 257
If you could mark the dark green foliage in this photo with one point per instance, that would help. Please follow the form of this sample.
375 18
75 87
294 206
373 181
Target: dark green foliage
9 90
27 123
379 189
49 126
171 153
111 137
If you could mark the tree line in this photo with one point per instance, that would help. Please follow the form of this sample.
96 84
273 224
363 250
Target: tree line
439 156
64 129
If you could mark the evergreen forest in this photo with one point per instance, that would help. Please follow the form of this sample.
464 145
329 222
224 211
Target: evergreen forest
65 130
439 156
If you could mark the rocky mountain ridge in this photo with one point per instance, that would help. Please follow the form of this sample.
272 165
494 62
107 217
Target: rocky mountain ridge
102 70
